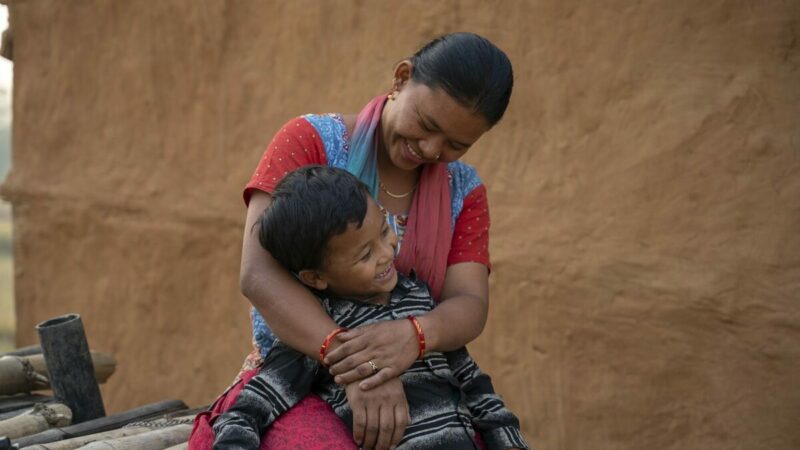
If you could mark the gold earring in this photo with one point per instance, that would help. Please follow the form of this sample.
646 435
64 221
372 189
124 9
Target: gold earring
390 96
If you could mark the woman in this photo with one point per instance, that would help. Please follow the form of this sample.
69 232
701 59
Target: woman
405 146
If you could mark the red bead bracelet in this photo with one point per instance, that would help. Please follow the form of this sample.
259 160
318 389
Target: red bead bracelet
327 342
420 336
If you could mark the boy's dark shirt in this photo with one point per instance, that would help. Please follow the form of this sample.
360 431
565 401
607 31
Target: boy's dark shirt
447 394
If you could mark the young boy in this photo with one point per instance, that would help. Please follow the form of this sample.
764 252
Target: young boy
323 226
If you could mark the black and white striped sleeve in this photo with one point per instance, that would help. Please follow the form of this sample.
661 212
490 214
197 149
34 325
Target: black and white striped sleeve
498 426
285 378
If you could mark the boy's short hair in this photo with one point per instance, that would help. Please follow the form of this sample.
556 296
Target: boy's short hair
309 206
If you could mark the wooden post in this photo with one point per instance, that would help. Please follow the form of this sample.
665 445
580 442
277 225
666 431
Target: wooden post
69 364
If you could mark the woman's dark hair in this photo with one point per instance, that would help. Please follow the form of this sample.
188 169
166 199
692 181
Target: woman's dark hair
309 206
470 69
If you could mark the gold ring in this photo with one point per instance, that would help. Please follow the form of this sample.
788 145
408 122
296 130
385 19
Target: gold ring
374 367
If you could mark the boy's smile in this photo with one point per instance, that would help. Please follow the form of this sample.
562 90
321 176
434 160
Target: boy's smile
359 263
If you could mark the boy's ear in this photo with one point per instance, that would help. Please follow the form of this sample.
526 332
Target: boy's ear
311 278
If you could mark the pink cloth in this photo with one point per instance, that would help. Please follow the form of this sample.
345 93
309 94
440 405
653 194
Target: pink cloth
426 243
310 425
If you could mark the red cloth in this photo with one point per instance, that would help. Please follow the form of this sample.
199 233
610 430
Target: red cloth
296 144
310 425
471 233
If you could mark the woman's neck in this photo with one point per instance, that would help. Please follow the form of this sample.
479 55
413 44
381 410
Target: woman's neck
395 180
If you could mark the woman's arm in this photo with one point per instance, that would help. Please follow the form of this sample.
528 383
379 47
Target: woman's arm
392 346
461 315
276 294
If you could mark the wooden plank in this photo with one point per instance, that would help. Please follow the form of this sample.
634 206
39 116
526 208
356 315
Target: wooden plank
157 439
77 442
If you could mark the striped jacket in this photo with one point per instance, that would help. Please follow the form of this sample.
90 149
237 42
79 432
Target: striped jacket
448 396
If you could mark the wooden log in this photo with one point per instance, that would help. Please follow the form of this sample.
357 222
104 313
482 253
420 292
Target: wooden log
24 351
184 446
66 352
77 442
17 376
17 401
14 405
103 423
157 439
104 365
15 413
33 353
42 417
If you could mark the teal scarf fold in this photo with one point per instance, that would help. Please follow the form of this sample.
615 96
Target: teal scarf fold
363 161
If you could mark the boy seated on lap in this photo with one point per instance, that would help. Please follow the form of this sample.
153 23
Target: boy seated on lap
323 226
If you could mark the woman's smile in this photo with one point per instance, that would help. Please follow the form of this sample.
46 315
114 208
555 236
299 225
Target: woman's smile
411 155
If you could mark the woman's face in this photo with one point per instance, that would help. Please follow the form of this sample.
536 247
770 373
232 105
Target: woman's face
424 125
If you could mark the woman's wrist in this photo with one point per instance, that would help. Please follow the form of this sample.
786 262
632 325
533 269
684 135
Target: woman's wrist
420 336
429 326
326 344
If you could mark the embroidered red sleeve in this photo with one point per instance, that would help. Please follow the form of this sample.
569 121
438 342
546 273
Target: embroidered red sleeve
471 233
296 144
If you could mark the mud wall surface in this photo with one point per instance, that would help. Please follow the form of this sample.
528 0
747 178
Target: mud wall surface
644 188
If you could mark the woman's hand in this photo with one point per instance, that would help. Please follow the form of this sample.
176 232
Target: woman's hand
380 416
391 346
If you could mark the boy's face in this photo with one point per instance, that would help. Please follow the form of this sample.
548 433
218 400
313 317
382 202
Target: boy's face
359 262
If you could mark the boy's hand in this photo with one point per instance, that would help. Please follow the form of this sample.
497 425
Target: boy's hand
391 346
380 416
